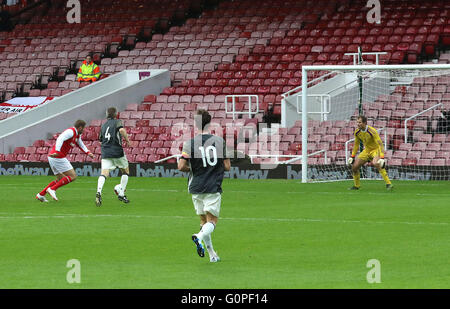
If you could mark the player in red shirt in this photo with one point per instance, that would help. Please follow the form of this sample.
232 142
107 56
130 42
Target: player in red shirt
59 164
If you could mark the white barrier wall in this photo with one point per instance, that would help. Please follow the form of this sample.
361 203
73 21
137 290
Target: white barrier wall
333 87
87 103
341 93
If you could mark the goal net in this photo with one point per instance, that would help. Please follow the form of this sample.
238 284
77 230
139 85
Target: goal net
409 106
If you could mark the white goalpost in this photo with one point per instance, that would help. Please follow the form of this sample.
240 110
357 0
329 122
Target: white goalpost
405 103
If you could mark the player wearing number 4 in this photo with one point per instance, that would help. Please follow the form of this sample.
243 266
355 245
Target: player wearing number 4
373 151
112 155
59 164
205 157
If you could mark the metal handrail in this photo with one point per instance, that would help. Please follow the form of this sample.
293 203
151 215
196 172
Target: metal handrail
414 116
294 157
322 111
249 96
355 56
168 158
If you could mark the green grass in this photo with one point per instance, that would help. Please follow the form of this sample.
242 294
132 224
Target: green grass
271 234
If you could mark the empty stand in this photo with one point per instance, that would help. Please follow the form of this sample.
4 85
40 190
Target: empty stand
240 47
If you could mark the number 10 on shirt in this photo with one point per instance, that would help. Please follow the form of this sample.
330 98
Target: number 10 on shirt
206 155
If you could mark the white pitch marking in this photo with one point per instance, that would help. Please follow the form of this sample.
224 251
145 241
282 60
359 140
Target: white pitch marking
286 192
64 216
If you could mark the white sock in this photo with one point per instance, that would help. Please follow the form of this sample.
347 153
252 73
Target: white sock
209 246
123 184
101 182
207 229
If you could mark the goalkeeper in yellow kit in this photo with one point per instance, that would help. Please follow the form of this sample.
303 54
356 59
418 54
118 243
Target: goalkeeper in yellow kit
373 151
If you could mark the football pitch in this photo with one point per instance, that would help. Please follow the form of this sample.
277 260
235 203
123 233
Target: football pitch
272 234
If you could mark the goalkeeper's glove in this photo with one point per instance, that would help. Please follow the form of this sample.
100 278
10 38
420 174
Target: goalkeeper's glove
382 163
351 160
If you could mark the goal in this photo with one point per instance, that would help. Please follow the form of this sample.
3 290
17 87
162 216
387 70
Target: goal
407 104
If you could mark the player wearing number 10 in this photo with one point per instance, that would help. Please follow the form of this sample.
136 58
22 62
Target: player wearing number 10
206 158
113 155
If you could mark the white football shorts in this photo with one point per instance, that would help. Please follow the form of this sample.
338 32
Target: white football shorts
113 163
207 202
59 165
